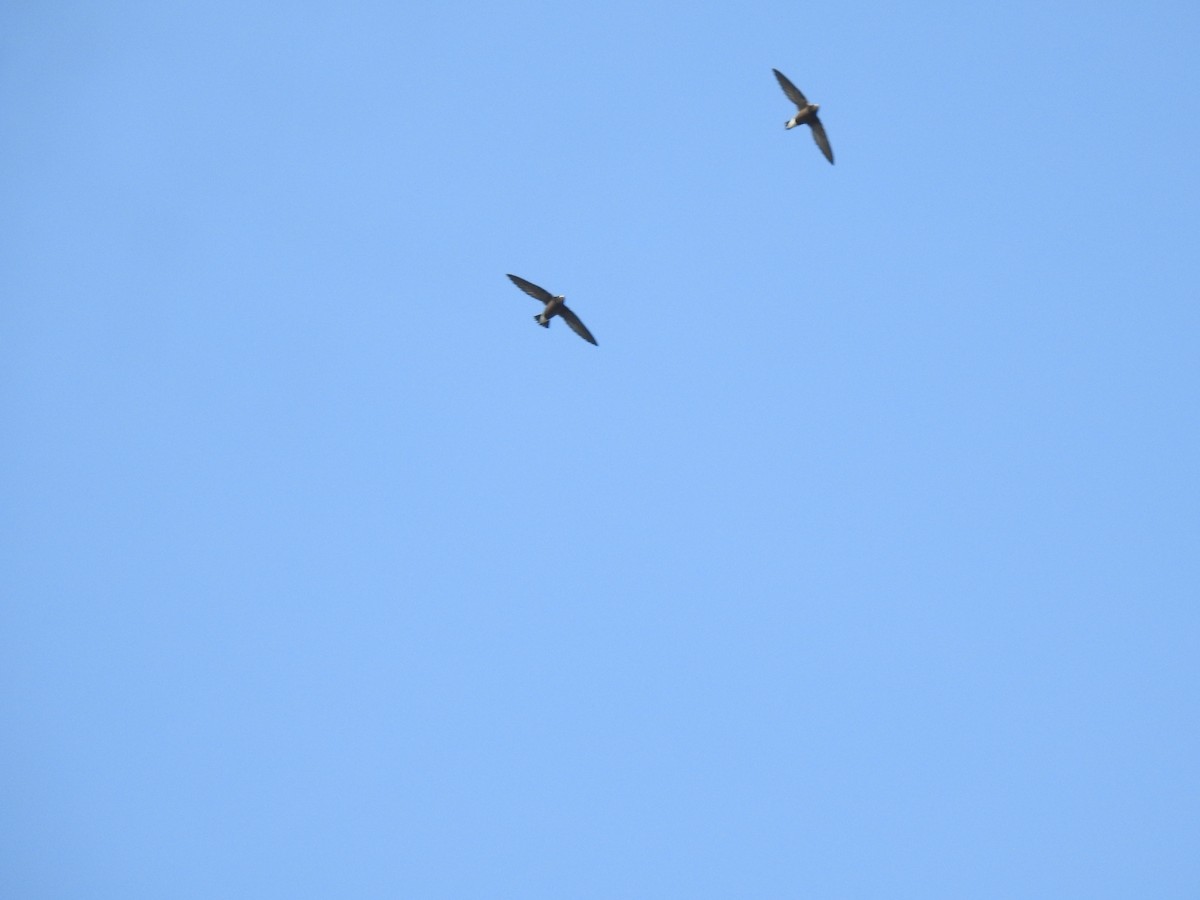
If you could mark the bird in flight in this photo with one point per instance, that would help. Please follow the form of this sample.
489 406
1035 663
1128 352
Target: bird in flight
806 114
554 307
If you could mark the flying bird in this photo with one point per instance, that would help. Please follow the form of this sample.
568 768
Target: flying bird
806 114
554 307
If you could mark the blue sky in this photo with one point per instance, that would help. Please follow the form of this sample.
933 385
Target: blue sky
860 559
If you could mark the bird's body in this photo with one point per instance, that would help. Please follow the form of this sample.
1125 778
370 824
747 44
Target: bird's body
802 117
555 305
806 114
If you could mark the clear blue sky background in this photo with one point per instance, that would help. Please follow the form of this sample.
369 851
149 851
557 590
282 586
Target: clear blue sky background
860 559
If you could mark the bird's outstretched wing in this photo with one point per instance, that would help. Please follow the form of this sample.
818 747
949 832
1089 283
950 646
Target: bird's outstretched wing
793 92
818 131
576 326
540 294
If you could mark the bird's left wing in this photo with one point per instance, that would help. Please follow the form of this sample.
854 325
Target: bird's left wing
576 326
819 136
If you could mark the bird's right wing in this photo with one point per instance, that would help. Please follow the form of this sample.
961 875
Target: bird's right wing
537 293
793 92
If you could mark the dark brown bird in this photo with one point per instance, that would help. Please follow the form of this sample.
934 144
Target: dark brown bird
554 307
806 114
